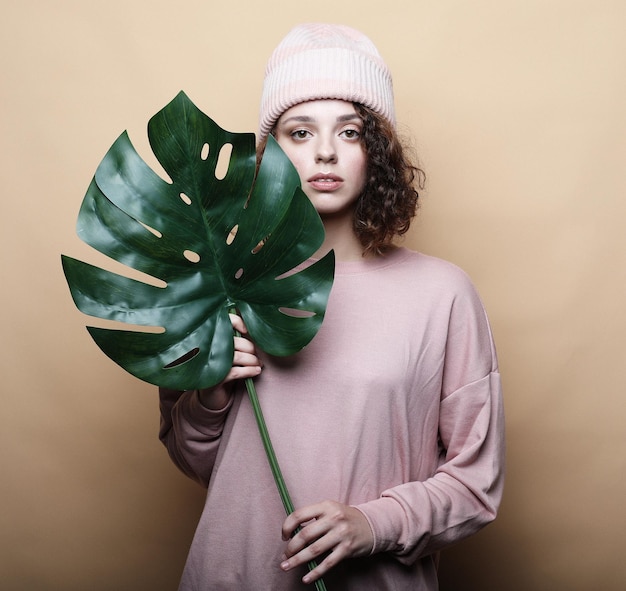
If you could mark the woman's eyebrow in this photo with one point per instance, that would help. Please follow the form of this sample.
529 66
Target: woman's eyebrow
299 119
348 117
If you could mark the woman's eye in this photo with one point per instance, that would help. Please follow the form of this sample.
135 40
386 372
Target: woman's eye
300 134
350 134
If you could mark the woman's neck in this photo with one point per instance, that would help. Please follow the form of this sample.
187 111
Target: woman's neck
340 237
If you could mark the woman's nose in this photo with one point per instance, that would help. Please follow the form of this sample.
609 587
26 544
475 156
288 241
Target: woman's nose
326 152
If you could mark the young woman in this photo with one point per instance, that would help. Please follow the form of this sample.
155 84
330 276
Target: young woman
388 426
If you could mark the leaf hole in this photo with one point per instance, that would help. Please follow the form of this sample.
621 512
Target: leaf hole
239 273
186 199
204 153
231 235
191 256
295 312
152 230
186 357
260 245
223 160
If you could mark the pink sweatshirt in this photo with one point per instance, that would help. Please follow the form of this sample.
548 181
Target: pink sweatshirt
395 407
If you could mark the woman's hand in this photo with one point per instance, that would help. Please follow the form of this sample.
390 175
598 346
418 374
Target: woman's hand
246 364
327 527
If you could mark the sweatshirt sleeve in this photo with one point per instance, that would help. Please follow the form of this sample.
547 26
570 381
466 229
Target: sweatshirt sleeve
463 495
191 432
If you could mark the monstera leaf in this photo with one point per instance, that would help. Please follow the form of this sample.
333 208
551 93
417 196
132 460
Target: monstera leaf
212 242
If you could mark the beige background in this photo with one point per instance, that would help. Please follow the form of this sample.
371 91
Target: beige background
518 112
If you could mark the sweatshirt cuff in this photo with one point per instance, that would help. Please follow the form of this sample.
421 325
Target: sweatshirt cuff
385 518
208 422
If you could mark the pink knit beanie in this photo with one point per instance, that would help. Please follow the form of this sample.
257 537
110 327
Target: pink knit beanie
322 61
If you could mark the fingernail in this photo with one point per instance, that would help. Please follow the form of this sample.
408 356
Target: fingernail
284 565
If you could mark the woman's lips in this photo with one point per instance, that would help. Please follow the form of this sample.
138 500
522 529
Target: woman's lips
326 182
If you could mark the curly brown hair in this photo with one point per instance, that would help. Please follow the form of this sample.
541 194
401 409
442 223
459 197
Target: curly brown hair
390 199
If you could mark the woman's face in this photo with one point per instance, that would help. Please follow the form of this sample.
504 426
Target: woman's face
322 139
